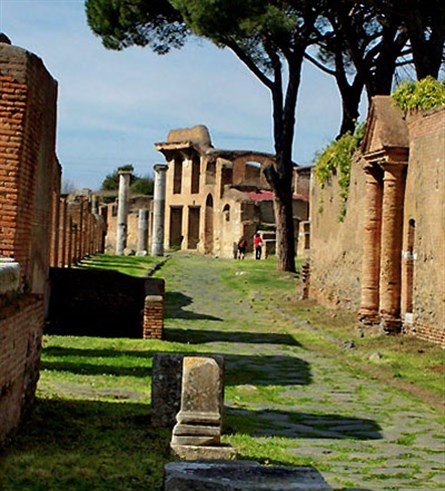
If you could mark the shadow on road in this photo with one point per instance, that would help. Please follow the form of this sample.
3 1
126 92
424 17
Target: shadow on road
198 336
293 424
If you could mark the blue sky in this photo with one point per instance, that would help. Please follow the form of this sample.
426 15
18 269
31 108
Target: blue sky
113 106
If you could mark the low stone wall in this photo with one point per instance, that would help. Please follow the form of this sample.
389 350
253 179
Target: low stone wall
21 325
102 303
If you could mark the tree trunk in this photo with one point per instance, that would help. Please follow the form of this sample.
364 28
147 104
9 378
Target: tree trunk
285 244
350 97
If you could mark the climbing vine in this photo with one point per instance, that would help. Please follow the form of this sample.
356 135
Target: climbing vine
423 94
335 159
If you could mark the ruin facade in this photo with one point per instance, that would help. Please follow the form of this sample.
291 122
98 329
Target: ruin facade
39 228
29 187
214 197
136 206
386 260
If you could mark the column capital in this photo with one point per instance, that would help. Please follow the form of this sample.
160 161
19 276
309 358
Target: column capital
123 172
394 168
160 167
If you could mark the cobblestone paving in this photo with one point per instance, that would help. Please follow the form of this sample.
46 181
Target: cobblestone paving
360 433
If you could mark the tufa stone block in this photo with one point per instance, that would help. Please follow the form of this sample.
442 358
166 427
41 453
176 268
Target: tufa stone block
241 476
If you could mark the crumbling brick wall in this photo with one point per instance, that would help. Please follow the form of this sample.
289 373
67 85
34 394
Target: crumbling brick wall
424 205
337 251
20 346
29 180
78 231
336 247
105 303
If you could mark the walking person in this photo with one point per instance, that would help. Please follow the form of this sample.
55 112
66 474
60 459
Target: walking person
242 245
258 244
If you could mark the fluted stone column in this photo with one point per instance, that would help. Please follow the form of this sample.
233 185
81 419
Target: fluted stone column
143 232
157 246
392 226
122 211
369 304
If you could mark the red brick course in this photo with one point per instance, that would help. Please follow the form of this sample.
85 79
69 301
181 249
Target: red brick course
29 180
20 346
153 324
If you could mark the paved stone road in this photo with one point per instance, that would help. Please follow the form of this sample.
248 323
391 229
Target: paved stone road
358 432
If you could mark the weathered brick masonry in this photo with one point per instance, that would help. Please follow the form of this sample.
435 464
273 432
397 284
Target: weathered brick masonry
387 259
20 346
79 230
103 303
29 187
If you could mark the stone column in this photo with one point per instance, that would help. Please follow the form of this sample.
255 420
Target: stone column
390 264
95 204
143 232
157 247
122 211
369 305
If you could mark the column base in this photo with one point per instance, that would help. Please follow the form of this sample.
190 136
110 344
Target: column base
390 324
368 318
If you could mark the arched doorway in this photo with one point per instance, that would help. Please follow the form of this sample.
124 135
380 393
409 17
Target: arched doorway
208 226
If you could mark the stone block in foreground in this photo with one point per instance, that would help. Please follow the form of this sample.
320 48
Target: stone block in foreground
240 476
166 386
197 433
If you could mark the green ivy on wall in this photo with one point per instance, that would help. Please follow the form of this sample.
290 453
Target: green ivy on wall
335 159
423 94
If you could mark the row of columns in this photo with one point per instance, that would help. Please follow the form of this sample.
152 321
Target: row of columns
78 231
157 248
382 244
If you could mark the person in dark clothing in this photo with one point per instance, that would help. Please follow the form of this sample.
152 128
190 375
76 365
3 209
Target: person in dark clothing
242 244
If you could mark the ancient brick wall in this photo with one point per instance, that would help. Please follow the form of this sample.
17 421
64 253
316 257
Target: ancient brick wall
101 303
20 345
78 232
28 164
336 247
424 207
29 186
411 183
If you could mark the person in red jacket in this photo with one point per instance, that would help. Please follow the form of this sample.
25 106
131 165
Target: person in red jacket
257 244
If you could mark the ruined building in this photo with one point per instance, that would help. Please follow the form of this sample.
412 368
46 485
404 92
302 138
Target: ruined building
29 193
214 197
387 259
137 206
38 227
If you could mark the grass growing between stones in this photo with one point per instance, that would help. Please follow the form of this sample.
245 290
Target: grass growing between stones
294 395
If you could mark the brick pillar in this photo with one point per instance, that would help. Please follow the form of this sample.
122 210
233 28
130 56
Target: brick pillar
55 242
153 317
390 264
70 248
63 233
369 305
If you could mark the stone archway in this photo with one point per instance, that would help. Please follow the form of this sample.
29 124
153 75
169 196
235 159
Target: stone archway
208 226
